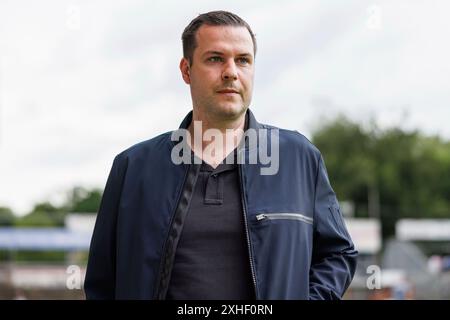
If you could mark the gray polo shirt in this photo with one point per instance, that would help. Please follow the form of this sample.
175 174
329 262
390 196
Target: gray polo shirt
211 260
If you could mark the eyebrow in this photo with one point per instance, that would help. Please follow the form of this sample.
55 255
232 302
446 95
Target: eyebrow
212 52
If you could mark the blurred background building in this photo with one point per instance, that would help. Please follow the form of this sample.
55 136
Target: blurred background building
27 272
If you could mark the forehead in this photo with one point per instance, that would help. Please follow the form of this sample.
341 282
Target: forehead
224 38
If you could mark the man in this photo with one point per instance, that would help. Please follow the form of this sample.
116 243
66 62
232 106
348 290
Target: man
214 228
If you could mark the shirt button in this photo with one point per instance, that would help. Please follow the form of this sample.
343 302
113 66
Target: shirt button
214 175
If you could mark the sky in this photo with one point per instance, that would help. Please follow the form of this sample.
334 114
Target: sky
80 81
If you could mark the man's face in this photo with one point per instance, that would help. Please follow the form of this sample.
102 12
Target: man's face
221 75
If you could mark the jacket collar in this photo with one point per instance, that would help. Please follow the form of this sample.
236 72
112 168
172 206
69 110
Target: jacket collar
250 118
251 123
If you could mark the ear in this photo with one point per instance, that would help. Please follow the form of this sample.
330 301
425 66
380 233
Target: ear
184 68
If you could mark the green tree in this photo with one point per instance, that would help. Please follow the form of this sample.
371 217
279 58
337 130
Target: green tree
81 200
44 214
397 173
7 217
347 150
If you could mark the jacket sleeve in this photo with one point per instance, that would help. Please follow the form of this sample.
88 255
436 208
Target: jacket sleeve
334 256
100 273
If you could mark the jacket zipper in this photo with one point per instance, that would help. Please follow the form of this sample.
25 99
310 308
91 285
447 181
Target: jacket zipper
163 288
247 233
290 216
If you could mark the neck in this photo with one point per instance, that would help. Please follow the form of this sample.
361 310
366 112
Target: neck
214 145
208 122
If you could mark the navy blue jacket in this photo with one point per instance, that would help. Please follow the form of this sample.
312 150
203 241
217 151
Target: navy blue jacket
298 245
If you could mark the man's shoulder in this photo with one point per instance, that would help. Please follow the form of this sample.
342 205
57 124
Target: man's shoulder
294 139
147 147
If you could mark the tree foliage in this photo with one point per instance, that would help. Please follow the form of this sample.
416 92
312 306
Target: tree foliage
46 214
7 217
410 172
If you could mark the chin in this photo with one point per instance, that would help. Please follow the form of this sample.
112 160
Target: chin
231 111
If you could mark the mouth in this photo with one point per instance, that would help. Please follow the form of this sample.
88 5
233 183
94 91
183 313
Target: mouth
228 91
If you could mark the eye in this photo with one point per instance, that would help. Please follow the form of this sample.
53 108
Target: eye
243 60
214 59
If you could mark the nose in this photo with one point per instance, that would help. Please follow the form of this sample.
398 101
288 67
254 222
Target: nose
230 72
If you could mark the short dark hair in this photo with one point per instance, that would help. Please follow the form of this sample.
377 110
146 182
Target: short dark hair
212 18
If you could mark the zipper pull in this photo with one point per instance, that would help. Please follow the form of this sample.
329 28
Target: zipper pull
260 216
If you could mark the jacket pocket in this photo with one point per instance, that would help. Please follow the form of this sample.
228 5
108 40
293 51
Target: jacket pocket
284 216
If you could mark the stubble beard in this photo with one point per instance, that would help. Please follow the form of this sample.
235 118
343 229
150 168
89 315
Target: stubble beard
223 109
